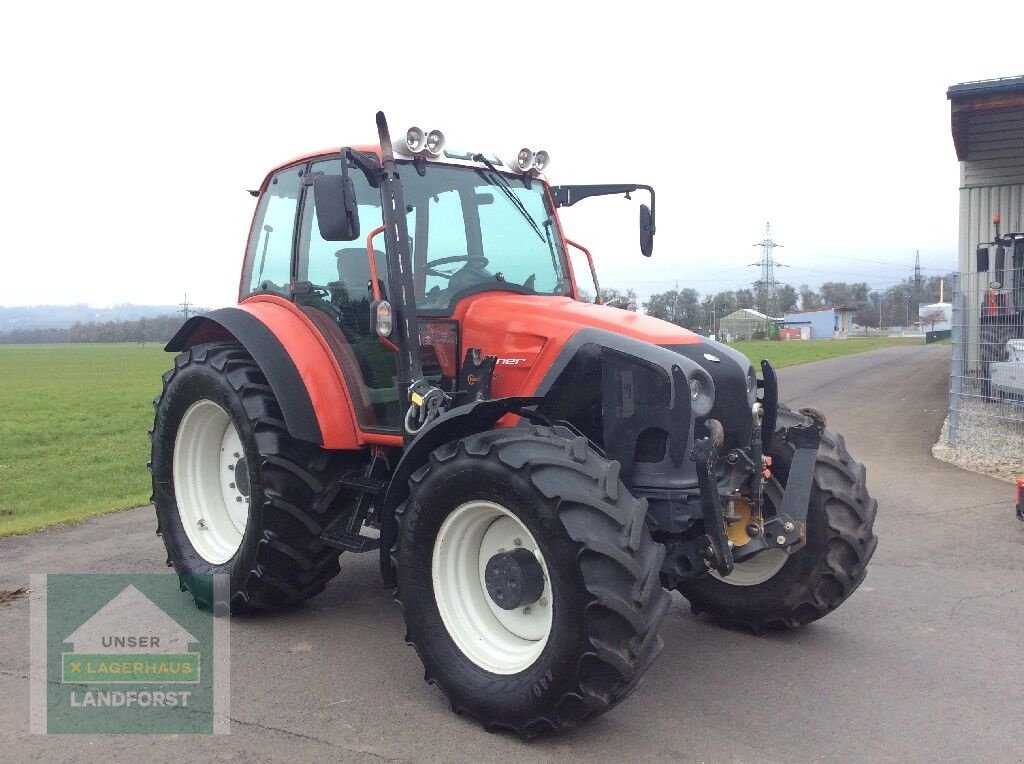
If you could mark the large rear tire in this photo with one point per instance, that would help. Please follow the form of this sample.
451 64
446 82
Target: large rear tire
582 646
234 493
774 591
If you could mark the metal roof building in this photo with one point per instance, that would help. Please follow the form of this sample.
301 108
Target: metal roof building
987 119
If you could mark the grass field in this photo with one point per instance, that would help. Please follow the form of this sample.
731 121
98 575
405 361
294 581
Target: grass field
73 422
781 354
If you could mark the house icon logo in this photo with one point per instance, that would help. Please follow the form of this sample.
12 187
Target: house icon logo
130 641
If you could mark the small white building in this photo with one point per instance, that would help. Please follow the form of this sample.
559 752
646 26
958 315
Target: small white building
925 311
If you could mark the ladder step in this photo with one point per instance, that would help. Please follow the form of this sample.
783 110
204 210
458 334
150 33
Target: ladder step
349 542
364 484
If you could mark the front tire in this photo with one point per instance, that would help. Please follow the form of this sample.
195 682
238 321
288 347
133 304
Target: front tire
234 493
776 591
585 643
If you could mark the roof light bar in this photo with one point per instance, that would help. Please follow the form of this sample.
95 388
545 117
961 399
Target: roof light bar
528 160
419 142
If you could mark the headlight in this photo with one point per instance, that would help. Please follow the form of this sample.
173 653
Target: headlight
541 160
435 142
415 139
751 381
525 160
695 388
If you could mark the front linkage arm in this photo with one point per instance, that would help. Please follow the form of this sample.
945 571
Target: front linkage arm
787 529
714 546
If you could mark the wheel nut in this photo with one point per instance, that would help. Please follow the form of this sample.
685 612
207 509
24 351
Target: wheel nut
780 540
788 527
231 485
517 541
753 530
202 525
237 455
526 610
543 601
231 467
239 500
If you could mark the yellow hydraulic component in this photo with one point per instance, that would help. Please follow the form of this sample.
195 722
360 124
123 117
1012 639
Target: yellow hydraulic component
737 531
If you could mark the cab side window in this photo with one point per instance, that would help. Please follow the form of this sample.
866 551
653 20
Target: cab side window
269 256
336 298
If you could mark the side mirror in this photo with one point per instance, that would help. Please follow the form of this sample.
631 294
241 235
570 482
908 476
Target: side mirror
1000 263
982 257
337 215
646 231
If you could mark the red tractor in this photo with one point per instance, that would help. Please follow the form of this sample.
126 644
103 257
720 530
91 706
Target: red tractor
411 369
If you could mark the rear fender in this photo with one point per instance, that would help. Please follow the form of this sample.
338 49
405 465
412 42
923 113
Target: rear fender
300 369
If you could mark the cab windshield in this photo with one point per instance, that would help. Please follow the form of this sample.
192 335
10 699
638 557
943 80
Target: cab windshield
470 231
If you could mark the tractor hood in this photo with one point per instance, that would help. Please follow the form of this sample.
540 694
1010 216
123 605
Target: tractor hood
500 323
623 379
528 333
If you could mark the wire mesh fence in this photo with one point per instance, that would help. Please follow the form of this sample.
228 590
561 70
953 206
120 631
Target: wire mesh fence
986 395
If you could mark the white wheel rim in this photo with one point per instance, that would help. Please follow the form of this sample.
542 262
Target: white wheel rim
497 640
757 569
761 567
212 506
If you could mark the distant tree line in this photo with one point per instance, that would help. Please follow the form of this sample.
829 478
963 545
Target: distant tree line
899 303
155 329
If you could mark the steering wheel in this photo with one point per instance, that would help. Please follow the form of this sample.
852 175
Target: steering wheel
430 267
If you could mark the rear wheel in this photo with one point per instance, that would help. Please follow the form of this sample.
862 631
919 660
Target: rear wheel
233 492
529 581
774 590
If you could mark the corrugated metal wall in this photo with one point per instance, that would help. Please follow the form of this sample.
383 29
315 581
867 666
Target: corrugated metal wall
977 206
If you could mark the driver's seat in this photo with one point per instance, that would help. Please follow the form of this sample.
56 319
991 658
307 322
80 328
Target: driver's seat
354 271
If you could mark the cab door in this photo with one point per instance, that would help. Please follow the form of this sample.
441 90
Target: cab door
332 281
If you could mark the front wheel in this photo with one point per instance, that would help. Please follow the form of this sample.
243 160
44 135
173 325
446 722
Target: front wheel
529 581
774 590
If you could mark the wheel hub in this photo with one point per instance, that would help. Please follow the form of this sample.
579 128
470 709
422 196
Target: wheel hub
492 587
514 579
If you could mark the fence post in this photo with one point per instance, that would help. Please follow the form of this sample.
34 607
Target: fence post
956 358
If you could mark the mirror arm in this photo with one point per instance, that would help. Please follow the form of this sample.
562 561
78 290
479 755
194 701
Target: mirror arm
567 196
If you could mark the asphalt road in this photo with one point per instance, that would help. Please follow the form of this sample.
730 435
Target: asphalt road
924 662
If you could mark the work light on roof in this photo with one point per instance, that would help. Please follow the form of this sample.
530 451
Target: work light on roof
435 142
524 160
419 142
541 160
415 139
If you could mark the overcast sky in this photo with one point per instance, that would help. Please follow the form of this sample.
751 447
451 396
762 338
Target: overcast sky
129 136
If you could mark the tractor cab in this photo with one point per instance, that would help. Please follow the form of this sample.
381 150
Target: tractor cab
473 225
